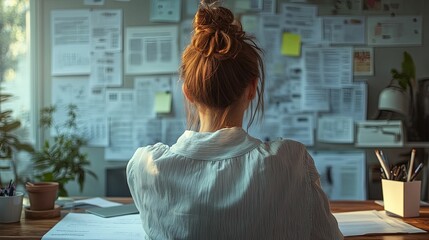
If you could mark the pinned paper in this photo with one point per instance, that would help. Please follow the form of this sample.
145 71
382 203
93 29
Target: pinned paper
163 102
291 44
93 2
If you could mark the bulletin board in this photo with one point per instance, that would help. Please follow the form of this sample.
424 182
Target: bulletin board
119 60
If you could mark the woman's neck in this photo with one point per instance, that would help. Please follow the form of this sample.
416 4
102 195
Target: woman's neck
211 121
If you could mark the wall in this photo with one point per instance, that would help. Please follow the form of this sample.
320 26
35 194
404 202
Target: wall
136 13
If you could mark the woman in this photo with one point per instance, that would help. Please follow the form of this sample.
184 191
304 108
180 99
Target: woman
217 182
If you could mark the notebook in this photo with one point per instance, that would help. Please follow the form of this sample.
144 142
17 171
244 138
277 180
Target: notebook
114 211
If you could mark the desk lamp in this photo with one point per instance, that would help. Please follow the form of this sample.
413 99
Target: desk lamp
392 104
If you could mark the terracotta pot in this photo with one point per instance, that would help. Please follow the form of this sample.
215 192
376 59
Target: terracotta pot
11 208
42 195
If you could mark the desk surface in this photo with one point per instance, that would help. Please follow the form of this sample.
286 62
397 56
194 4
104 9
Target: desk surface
35 229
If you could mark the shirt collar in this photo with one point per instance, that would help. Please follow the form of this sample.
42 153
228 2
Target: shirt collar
223 144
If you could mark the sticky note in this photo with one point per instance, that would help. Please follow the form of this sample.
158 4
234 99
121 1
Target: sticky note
291 44
163 102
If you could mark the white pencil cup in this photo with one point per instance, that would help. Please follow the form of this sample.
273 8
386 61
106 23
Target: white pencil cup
401 198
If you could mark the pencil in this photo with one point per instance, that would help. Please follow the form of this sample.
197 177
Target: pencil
417 171
383 164
410 168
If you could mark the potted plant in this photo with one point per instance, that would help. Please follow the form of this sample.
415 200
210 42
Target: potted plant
399 96
407 81
62 160
42 195
10 204
10 143
407 77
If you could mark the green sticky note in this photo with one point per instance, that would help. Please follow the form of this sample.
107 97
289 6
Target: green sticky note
163 102
291 44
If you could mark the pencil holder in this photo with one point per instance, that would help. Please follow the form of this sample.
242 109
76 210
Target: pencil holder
401 198
11 208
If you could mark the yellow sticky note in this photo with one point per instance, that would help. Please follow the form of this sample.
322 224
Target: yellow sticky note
163 102
291 44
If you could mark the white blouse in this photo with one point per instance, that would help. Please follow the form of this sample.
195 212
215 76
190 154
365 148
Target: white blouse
229 185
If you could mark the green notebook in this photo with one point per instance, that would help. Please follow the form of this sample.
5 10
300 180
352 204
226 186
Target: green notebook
114 211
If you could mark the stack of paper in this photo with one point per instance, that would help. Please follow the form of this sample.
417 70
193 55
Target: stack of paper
88 226
371 222
76 226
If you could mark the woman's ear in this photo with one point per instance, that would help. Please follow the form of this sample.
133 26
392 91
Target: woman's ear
186 93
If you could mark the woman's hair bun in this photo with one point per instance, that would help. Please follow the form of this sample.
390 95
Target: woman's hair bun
210 15
216 32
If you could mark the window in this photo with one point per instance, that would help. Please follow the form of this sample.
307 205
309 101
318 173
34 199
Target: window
15 79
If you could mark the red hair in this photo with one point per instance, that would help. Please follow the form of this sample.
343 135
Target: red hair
220 63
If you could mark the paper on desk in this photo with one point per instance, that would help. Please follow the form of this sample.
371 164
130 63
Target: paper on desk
88 226
99 202
422 203
371 222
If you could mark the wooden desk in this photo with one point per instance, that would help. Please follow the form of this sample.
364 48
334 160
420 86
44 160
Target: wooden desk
35 229
421 222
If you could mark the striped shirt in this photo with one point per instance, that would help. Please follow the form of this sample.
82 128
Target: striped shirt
229 185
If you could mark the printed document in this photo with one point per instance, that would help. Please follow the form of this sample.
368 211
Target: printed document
302 19
106 69
270 42
371 222
147 132
344 30
342 174
150 50
328 66
96 201
298 127
121 145
165 10
335 129
71 42
398 30
314 98
185 33
146 89
91 115
350 101
106 30
120 102
75 226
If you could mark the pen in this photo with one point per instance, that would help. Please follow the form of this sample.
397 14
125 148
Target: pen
385 160
393 172
397 173
383 164
410 168
10 188
403 173
417 171
382 173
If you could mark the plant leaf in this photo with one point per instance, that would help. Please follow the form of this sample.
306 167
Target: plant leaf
408 66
